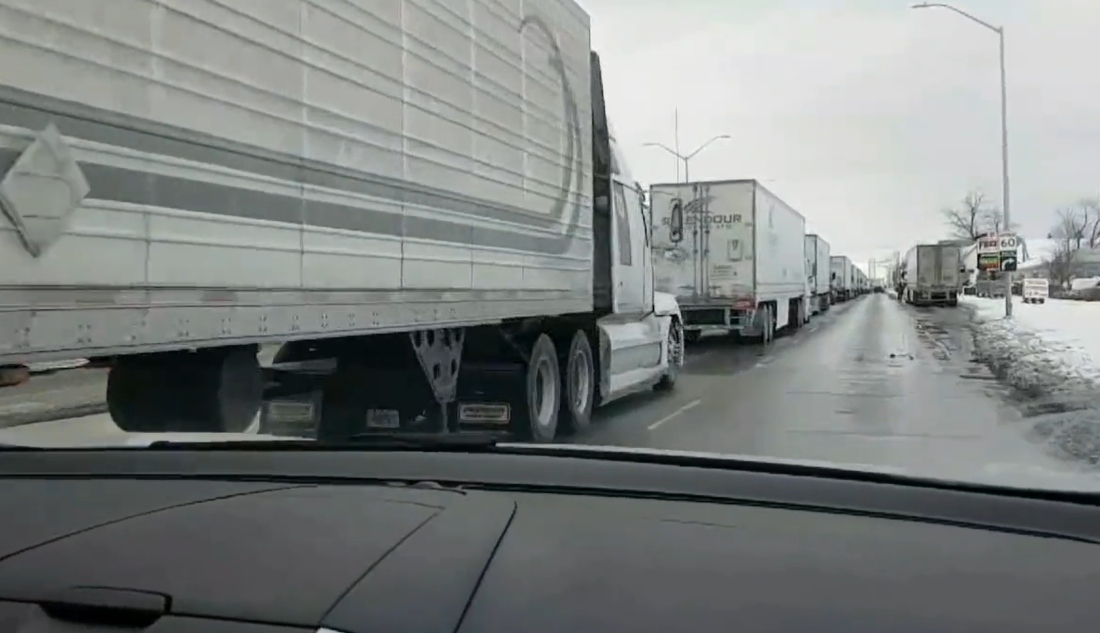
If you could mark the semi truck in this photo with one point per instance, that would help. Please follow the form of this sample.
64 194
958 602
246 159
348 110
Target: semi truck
435 247
733 254
932 274
859 281
817 273
841 278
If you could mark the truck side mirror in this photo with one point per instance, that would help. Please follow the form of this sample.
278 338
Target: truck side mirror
676 222
832 276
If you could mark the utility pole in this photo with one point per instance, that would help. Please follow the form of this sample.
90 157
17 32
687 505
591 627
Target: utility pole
1006 200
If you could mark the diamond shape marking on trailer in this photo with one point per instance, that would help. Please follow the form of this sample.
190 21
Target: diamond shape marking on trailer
42 190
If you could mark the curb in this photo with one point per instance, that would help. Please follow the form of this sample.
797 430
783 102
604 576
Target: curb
52 414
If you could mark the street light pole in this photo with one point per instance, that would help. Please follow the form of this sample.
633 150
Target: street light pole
1005 203
1005 200
687 159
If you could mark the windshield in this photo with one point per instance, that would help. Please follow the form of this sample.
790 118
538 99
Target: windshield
799 242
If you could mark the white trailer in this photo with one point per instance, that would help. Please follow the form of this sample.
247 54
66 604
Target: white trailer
933 274
183 181
841 277
733 254
817 273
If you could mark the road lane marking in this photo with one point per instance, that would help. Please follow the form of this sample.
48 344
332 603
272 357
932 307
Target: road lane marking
686 407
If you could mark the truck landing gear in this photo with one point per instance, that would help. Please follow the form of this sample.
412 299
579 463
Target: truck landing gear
440 356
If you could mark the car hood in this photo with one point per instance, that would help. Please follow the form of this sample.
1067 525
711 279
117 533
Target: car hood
254 552
988 473
286 558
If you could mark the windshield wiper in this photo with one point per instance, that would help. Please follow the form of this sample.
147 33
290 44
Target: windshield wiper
378 441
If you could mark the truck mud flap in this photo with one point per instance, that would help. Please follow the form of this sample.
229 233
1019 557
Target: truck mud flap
489 395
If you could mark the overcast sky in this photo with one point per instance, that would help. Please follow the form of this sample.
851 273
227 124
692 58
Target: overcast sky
865 115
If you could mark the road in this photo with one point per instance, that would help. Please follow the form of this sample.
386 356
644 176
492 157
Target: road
871 382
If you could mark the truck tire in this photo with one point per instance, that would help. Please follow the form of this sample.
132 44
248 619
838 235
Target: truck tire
537 414
676 357
212 392
578 379
14 375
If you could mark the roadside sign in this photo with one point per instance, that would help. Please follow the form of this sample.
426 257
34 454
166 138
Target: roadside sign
998 243
989 261
998 252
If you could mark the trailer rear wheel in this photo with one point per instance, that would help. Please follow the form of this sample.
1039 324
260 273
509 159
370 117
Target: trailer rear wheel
579 381
537 419
212 391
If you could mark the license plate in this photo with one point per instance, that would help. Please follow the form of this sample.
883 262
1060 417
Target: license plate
479 413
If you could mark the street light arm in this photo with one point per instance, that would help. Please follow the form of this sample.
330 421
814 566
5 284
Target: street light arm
666 148
704 145
972 18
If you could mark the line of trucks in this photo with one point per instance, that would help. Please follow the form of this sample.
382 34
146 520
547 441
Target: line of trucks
739 261
424 205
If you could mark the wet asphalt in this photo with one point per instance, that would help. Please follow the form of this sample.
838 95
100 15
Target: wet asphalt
871 382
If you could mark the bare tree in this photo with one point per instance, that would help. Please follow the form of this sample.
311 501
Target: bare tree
974 218
1090 212
1068 233
966 221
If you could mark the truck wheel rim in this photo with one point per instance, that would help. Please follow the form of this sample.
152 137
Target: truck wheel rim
546 394
676 346
580 381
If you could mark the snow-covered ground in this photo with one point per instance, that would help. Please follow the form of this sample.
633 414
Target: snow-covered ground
1050 354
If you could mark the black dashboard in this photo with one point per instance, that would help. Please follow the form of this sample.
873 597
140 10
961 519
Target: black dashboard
366 542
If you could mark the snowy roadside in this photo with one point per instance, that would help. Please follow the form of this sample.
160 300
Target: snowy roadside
1050 355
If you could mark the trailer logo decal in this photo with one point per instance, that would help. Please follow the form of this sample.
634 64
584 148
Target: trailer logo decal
568 200
42 190
698 205
696 212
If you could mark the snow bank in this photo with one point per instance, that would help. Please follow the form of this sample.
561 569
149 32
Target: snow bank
1050 355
